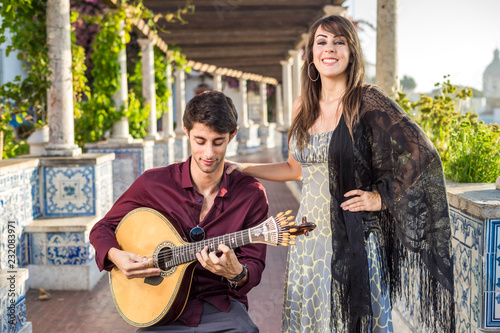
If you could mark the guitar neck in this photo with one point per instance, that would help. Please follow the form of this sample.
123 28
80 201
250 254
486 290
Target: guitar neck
187 253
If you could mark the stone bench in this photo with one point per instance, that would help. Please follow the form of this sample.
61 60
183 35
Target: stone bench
60 254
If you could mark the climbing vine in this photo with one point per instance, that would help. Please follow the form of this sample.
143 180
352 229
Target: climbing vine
25 97
98 111
95 70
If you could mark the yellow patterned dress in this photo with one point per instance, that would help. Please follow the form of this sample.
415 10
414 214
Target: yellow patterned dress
307 300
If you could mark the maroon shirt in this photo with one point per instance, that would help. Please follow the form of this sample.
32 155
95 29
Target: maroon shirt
241 203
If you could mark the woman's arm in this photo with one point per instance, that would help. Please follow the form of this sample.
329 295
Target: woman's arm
283 171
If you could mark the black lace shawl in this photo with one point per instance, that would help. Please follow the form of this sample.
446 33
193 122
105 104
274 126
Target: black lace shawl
389 152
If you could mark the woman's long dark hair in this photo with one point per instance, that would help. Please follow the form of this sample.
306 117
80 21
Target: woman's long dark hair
351 100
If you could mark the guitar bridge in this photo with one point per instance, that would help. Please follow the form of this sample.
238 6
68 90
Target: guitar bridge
153 280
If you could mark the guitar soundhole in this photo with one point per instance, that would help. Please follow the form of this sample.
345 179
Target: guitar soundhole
163 256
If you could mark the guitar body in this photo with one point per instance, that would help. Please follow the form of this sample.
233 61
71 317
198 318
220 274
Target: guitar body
140 303
160 300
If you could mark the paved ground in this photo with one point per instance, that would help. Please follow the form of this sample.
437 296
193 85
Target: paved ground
94 311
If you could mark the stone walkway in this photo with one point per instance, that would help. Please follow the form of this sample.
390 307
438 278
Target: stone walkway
94 311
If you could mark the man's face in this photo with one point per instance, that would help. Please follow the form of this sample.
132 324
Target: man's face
208 147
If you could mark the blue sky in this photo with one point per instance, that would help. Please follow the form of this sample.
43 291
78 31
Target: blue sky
437 38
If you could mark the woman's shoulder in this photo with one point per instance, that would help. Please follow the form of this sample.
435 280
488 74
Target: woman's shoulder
375 98
371 91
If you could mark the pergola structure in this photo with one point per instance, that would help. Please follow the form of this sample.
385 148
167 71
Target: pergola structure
239 38
248 36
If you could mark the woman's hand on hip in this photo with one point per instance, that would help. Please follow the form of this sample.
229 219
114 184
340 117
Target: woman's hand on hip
362 201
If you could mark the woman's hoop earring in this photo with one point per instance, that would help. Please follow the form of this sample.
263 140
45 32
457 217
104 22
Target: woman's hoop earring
309 74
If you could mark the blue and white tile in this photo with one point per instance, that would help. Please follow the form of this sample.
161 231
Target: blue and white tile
160 154
69 191
492 309
67 249
148 158
104 187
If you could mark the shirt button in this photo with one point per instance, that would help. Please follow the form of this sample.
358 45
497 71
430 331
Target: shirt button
199 200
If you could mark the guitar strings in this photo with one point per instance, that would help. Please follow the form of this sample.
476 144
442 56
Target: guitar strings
166 255
188 248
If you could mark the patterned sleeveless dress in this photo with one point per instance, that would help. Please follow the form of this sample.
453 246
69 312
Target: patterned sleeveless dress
307 298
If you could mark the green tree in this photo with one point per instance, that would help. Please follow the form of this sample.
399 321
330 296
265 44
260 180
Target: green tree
407 83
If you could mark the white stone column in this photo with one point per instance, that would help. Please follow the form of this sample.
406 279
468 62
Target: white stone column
148 84
180 100
266 129
217 82
168 115
334 10
386 76
279 106
263 104
287 92
181 140
296 58
164 148
120 132
60 93
243 114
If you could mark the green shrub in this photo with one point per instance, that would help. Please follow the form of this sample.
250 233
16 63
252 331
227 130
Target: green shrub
469 148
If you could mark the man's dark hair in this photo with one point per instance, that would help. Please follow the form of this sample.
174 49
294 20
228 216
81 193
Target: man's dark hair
213 109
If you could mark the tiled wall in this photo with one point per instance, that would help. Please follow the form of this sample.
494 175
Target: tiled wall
8 323
19 205
492 279
77 190
69 191
468 250
69 248
129 164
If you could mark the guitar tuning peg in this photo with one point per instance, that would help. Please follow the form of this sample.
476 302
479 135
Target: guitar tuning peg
283 218
285 234
284 223
284 244
293 230
293 236
292 243
288 212
279 215
290 218
286 239
291 224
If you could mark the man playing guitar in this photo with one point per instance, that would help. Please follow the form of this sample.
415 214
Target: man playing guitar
205 202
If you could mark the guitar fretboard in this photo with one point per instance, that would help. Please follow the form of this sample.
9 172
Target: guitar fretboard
187 253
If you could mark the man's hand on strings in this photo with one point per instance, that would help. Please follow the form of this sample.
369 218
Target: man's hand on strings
133 265
225 264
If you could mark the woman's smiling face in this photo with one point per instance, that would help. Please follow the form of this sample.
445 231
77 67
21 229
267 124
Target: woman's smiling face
330 53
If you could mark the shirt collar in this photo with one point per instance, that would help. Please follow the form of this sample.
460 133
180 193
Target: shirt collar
187 183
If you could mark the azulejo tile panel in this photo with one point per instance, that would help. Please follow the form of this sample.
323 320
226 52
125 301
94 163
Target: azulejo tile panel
19 203
129 163
104 188
70 248
69 191
160 154
35 192
10 324
492 285
468 249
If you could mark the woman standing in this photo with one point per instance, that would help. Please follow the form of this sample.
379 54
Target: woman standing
368 174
